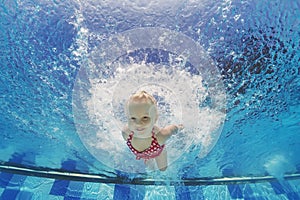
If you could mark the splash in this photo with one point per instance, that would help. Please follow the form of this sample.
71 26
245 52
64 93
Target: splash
278 165
168 65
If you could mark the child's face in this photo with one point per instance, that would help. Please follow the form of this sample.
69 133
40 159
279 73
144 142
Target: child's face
142 117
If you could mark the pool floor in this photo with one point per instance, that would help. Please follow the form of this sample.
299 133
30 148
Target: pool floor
15 186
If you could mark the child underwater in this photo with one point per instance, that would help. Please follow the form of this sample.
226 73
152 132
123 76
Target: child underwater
144 138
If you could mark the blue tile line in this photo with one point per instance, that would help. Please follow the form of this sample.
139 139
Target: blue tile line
235 191
9 194
293 196
59 187
248 192
122 192
277 187
289 192
182 192
132 192
5 179
15 180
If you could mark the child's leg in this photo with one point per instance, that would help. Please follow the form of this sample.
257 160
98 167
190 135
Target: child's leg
161 161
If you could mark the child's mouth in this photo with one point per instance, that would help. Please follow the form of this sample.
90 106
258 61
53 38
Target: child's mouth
140 129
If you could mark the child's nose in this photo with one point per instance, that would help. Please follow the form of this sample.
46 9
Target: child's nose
139 122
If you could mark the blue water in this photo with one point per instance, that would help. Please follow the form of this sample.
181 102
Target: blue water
254 44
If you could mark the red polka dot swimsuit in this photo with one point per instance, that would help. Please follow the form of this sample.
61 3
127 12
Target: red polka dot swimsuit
153 151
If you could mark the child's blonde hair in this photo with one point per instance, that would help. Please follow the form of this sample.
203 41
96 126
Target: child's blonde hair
144 97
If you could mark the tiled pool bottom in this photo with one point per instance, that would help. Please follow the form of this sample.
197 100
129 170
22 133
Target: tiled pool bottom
14 186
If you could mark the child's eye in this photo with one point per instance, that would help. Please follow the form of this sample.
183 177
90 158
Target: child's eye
133 118
145 118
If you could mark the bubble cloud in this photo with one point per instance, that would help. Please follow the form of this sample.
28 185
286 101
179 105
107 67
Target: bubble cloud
167 64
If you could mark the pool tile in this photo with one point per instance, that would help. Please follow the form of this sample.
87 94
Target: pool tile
60 187
39 186
216 192
248 192
182 192
295 185
9 194
277 187
160 192
53 197
17 180
95 191
90 190
137 192
196 192
235 191
75 189
25 195
293 195
285 188
266 191
254 198
121 192
5 179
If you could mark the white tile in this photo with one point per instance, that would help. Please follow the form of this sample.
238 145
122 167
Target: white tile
216 192
97 191
160 193
40 187
265 190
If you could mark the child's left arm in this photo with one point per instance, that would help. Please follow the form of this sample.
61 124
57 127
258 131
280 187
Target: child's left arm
168 131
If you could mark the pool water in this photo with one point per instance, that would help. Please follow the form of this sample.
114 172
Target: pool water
254 45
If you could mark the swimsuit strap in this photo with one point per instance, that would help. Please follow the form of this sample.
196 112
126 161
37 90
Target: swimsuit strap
130 136
153 151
